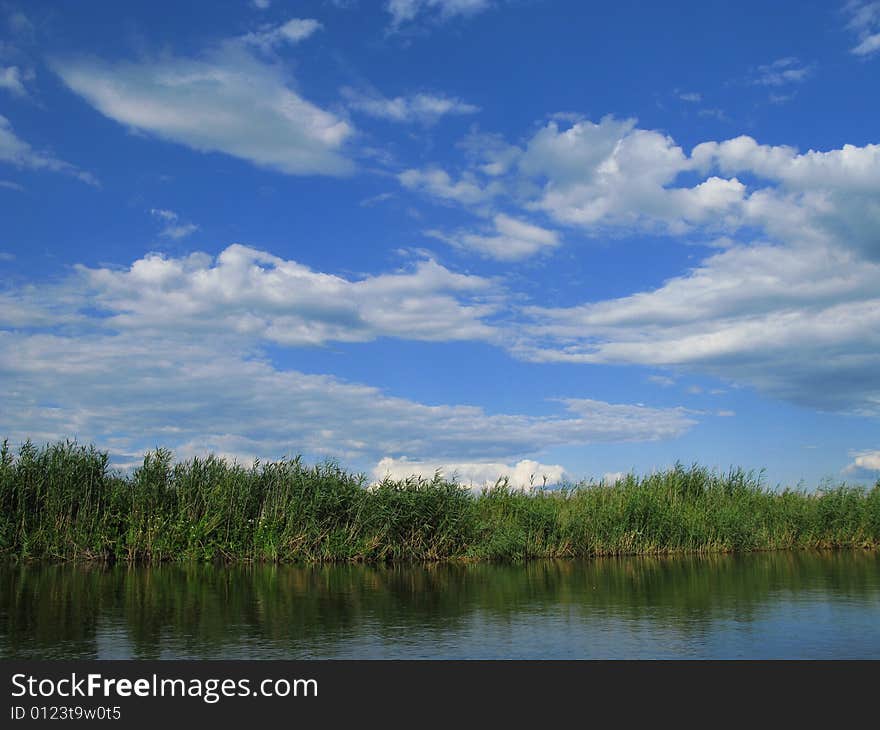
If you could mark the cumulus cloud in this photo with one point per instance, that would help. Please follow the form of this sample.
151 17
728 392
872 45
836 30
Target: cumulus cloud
612 477
789 305
602 177
816 195
512 239
258 295
170 351
17 152
270 37
424 108
225 101
408 11
612 178
865 465
611 175
525 474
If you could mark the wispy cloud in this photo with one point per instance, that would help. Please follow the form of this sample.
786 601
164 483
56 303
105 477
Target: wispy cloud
375 199
422 107
19 24
714 113
19 153
174 228
291 32
439 184
12 79
409 11
865 22
511 239
782 72
224 101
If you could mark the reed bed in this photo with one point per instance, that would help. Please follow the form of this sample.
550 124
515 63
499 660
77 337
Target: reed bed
63 502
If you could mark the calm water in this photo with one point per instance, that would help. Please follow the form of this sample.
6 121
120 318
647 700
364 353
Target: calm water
754 606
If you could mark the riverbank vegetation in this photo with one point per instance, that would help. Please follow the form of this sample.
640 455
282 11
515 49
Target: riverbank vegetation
63 502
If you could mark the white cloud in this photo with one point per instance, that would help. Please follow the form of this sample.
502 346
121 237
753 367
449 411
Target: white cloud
869 45
800 324
261 4
512 239
227 101
525 474
492 155
692 97
206 394
835 192
605 178
263 297
12 79
169 351
865 22
422 107
438 183
788 305
611 178
864 464
613 175
781 72
174 228
408 11
292 32
9 185
19 153
715 113
375 199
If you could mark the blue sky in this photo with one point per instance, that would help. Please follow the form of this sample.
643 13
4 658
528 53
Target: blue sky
529 237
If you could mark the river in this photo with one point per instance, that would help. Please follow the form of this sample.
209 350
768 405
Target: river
772 605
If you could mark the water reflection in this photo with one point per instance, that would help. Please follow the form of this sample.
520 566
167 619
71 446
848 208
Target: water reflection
776 604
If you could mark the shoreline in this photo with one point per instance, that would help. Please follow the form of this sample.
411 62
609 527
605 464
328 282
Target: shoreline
61 503
8 560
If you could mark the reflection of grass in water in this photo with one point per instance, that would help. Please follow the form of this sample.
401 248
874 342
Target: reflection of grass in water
61 502
49 609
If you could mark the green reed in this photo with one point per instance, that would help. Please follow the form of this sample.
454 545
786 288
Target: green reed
63 502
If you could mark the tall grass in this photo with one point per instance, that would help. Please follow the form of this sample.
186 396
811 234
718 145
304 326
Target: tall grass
63 502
